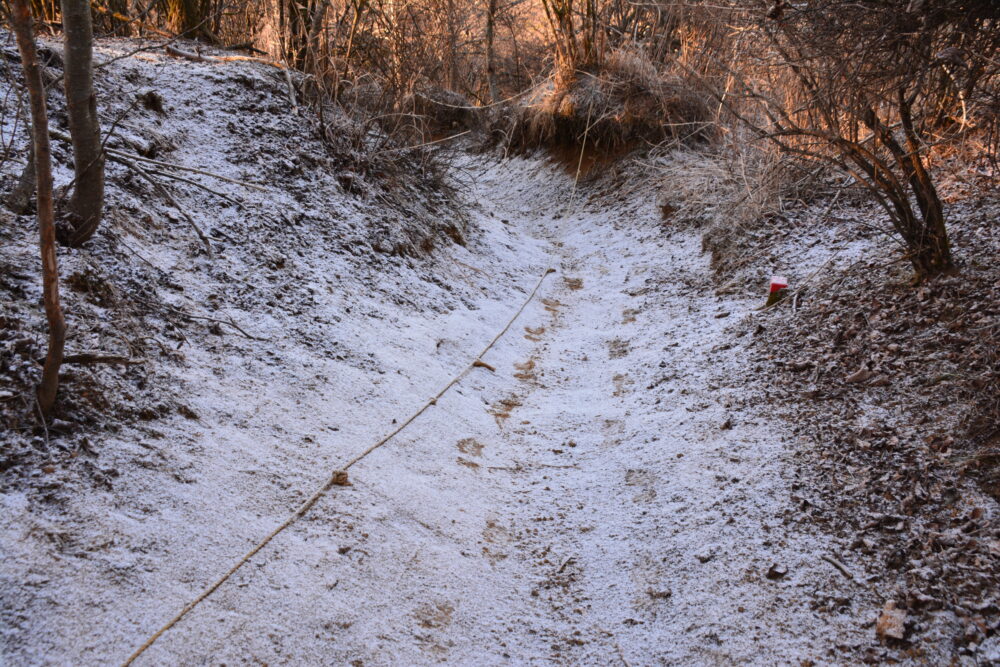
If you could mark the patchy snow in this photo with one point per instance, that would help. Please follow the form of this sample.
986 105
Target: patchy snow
601 497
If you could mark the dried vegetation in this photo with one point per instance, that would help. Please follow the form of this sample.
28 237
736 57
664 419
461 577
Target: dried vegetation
628 103
895 389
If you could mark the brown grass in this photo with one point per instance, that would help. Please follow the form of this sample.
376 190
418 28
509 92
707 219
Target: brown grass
732 192
626 105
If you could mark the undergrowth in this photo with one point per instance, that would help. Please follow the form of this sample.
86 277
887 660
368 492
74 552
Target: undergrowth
627 104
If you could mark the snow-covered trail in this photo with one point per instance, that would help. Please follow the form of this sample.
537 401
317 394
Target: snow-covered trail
598 499
595 500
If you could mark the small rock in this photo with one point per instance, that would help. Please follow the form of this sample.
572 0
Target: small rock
777 571
892 622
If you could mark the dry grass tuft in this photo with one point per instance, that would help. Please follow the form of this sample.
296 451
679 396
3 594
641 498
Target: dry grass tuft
733 193
627 104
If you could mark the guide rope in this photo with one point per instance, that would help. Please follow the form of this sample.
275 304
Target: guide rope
337 478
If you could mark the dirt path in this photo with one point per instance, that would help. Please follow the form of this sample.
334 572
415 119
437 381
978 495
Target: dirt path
642 510
600 498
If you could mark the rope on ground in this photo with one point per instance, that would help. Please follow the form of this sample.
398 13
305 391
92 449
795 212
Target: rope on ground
338 478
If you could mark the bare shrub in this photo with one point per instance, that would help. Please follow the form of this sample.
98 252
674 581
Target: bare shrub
869 89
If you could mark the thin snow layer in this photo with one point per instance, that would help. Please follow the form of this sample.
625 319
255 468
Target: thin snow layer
599 498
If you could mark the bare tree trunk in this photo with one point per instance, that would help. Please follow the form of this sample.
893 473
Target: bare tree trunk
87 203
933 255
451 27
21 20
186 17
560 17
359 6
312 55
397 42
491 65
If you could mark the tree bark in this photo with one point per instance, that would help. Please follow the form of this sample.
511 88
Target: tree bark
186 17
21 20
491 65
559 14
312 55
87 203
933 256
359 6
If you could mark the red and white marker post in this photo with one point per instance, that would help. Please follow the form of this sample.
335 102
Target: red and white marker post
779 288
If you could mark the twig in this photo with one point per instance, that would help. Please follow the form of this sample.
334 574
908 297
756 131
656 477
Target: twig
114 154
245 46
429 143
228 322
170 198
840 567
45 426
621 654
517 468
187 55
148 263
233 324
184 313
175 177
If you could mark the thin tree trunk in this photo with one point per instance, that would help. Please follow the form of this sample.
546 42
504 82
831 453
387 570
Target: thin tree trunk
397 42
188 18
451 26
46 218
312 55
358 8
934 255
87 203
491 65
559 14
